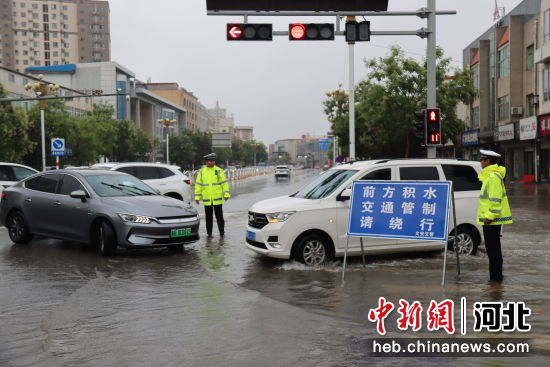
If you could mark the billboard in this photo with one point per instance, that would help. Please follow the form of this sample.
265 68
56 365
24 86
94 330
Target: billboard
221 140
293 5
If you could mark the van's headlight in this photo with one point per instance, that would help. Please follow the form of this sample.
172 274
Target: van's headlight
278 217
133 218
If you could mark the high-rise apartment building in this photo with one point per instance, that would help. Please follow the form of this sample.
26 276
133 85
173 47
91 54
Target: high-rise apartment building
53 32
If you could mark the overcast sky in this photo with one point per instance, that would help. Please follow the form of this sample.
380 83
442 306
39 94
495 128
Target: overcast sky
277 87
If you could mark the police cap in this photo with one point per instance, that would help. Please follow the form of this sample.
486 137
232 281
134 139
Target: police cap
210 157
488 154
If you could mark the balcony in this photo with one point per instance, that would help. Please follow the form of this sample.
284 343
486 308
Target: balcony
542 54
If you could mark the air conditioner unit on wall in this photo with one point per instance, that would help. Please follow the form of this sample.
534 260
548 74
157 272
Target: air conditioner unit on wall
517 110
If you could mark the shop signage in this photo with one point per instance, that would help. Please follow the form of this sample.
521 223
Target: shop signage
528 128
544 125
470 138
504 132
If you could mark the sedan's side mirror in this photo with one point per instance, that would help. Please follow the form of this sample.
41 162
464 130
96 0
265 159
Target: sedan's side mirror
78 194
344 195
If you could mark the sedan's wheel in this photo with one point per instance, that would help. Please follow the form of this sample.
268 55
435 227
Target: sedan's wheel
18 229
313 250
106 239
467 242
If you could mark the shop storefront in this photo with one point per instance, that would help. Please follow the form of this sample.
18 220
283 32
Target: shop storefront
527 142
544 138
512 156
469 143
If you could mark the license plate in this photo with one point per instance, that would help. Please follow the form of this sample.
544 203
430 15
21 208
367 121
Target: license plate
250 235
181 232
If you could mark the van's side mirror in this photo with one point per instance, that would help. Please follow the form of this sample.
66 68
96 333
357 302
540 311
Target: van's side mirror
344 195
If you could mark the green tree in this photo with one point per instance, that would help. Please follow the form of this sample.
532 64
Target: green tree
57 124
395 87
14 128
182 150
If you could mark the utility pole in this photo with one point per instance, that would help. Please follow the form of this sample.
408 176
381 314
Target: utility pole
431 61
352 95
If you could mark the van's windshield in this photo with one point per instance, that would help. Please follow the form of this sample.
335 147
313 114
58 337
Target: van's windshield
325 184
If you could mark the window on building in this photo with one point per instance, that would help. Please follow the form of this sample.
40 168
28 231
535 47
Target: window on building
546 84
503 62
54 16
531 57
475 117
530 105
503 105
65 7
54 25
11 78
25 62
475 76
35 6
546 25
54 6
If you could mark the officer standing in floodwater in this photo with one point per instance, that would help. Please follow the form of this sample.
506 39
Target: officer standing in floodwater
493 210
212 188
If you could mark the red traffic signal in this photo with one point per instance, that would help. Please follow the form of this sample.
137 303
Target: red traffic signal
433 126
249 32
311 32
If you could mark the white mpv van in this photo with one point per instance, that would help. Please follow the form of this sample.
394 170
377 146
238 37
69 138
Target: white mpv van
311 225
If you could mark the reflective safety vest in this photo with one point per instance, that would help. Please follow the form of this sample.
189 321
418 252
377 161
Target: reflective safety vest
493 202
211 186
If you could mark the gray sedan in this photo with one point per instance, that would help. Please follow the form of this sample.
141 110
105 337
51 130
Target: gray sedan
105 208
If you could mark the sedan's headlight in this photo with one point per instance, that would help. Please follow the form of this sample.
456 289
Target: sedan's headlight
278 217
133 218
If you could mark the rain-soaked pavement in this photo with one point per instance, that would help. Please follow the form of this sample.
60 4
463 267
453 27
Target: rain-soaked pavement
218 304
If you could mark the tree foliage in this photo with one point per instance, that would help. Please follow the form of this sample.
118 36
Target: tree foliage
14 129
394 88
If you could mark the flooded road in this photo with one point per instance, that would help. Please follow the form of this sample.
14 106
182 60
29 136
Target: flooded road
219 304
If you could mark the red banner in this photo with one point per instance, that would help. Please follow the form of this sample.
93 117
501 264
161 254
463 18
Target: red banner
544 125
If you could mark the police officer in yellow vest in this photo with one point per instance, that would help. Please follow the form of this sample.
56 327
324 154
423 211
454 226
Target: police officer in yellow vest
212 188
493 210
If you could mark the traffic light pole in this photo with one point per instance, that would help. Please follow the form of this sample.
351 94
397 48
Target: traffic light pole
431 69
351 101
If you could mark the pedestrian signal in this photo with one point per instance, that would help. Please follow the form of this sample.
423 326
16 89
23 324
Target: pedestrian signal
433 126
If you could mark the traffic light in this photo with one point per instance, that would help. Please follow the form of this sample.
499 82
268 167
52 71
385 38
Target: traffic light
249 32
357 32
433 126
311 32
420 126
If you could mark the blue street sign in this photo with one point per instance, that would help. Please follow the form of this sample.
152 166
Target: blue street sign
414 210
58 147
324 144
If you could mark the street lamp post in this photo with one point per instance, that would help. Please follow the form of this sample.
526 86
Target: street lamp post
167 123
42 89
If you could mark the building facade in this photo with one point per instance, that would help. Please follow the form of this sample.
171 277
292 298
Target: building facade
53 32
196 112
244 133
135 101
509 78
14 84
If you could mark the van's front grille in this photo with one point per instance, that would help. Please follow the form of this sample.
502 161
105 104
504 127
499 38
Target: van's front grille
257 220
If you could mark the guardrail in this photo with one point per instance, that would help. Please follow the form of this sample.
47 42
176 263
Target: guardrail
237 174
